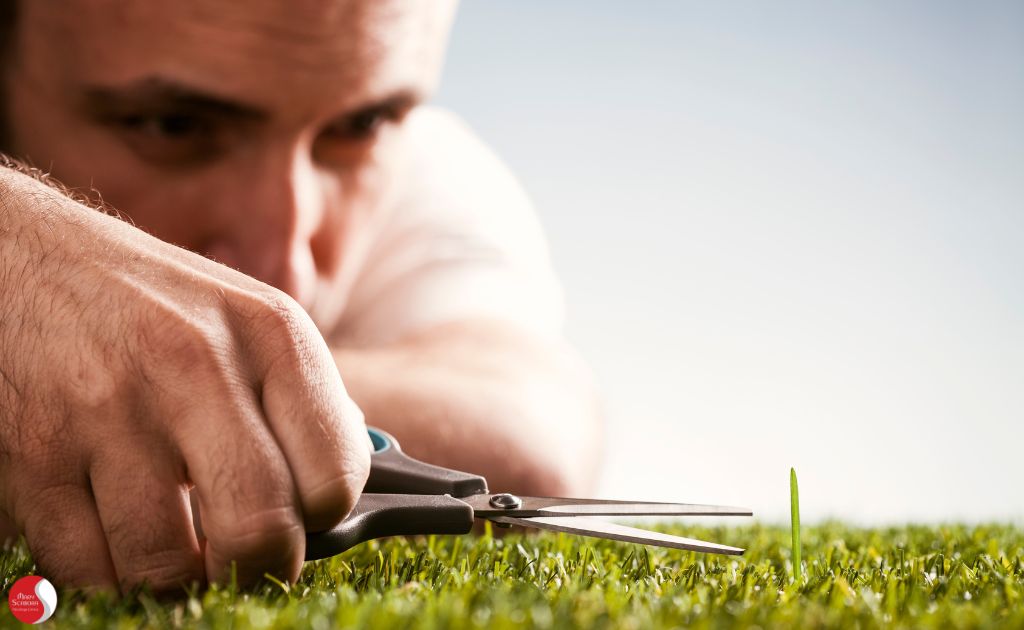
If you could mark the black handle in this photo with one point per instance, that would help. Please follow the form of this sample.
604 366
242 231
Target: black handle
380 515
391 470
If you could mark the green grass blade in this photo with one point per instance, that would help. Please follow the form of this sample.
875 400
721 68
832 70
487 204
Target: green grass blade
794 512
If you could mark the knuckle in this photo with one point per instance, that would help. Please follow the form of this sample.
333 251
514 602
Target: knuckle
46 526
281 313
330 502
162 571
40 500
44 503
358 471
54 562
250 538
139 521
168 338
284 326
340 480
93 388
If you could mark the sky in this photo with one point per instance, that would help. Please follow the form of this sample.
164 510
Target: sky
789 234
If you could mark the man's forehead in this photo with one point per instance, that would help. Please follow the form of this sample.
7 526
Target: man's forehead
260 50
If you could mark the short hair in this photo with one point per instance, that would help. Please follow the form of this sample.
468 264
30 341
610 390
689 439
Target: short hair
8 21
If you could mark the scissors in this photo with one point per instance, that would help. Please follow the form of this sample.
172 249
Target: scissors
404 496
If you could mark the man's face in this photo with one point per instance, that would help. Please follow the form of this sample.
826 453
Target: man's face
260 133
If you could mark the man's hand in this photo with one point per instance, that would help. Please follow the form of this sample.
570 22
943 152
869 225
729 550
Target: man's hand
131 370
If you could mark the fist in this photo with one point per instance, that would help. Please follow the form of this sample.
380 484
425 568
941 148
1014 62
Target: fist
132 372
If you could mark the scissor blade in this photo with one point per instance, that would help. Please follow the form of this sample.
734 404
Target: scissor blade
613 531
556 506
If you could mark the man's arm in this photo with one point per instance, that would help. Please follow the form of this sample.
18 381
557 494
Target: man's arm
451 336
486 397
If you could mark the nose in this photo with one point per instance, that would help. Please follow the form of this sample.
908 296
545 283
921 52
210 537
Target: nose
272 214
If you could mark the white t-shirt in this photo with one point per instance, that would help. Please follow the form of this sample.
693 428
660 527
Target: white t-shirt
459 240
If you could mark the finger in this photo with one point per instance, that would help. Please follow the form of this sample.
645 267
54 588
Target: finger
247 499
143 506
65 536
320 430
8 530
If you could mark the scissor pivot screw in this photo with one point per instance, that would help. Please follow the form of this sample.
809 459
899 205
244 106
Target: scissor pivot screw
506 501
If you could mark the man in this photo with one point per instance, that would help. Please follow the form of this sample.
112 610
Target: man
354 230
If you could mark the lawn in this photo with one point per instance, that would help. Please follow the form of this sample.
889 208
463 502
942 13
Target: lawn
914 576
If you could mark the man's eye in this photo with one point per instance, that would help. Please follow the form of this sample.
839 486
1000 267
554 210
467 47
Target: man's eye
165 125
171 139
366 123
351 139
363 125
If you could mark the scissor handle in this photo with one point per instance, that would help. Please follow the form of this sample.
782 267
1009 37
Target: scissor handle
392 471
380 515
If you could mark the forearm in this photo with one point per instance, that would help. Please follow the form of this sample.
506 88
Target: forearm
35 211
28 212
485 398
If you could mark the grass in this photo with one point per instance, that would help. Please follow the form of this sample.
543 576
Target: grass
922 577
794 522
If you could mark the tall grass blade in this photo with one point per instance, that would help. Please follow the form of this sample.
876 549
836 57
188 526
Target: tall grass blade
794 512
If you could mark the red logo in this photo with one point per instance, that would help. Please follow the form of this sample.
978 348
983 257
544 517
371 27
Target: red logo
32 599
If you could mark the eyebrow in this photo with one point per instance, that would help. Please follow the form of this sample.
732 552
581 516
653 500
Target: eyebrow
156 93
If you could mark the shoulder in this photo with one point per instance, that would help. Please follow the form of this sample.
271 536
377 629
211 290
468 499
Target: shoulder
459 239
451 174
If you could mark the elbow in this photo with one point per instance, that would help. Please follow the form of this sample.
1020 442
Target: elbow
555 479
561 439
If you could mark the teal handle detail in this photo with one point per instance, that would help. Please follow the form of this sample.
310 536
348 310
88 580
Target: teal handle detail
380 441
394 472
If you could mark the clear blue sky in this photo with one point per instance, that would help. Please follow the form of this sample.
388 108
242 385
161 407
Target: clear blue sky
790 234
